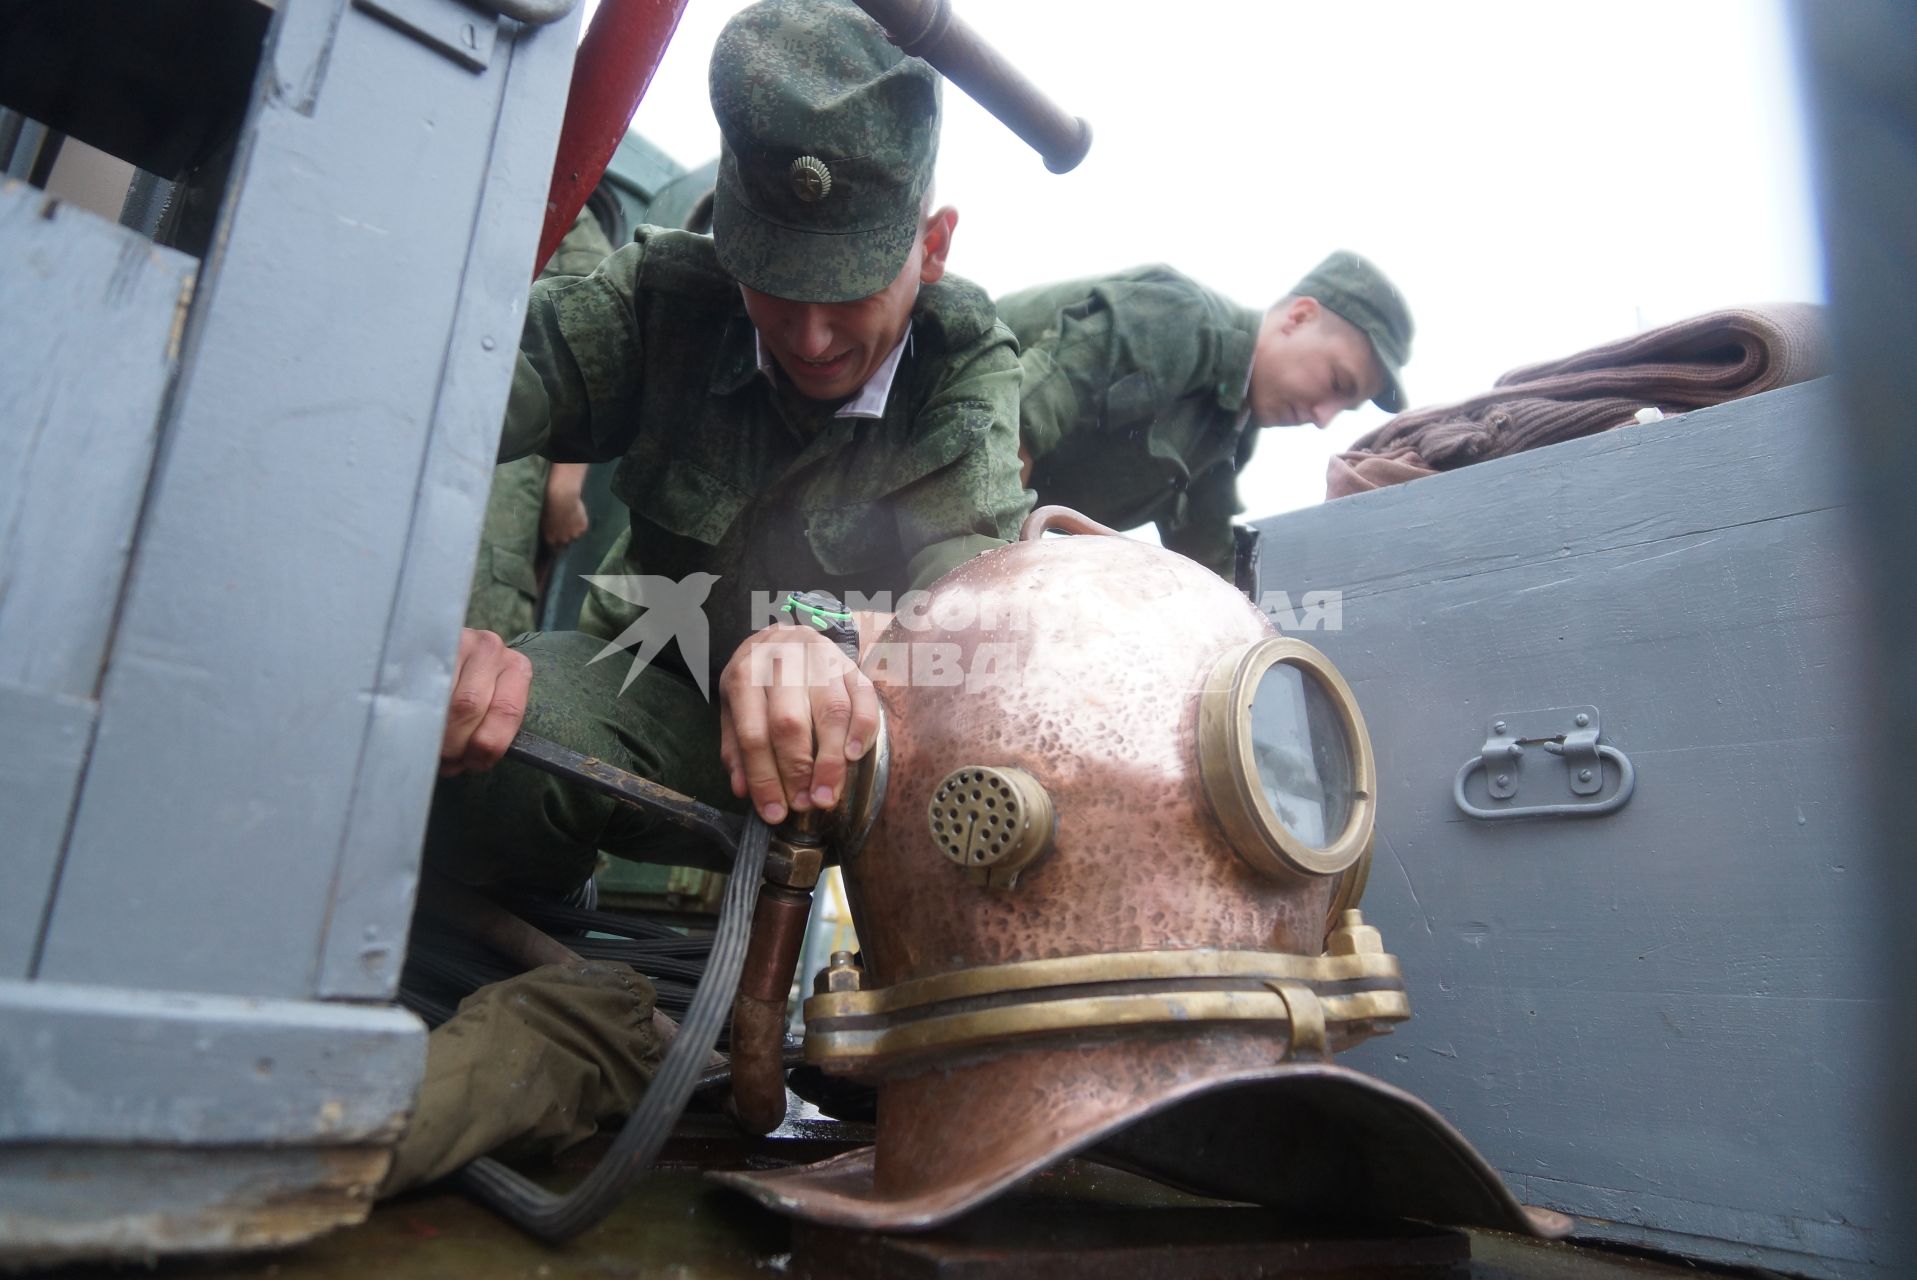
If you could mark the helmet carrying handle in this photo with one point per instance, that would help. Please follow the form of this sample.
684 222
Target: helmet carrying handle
1063 519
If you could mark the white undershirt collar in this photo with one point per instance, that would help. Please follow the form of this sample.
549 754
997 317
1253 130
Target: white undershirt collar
871 398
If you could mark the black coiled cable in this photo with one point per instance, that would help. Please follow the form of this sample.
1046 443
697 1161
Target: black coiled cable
556 1219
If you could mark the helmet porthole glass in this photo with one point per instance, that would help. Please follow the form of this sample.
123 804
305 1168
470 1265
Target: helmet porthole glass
1302 754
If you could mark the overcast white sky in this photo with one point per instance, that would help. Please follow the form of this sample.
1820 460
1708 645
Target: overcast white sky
1536 177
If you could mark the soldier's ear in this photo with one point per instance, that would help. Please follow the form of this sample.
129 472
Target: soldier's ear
937 239
1300 311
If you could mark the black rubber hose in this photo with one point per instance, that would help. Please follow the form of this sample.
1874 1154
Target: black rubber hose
444 966
556 1219
554 918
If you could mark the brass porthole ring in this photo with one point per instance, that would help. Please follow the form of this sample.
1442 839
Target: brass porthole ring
1228 764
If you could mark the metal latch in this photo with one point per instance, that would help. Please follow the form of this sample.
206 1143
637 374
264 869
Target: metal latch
1569 733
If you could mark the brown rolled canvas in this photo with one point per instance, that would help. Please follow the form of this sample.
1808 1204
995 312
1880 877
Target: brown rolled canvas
1705 360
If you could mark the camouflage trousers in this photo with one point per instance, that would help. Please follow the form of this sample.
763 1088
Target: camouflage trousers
518 827
529 1066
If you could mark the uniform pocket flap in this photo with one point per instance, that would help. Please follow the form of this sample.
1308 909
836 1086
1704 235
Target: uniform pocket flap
679 496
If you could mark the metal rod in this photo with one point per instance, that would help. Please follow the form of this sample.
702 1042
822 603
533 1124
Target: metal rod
628 788
485 921
929 29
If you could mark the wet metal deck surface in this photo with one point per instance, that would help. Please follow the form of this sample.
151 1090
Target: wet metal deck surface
679 1226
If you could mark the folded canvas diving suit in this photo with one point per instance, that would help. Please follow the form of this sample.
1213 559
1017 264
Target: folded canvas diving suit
1705 360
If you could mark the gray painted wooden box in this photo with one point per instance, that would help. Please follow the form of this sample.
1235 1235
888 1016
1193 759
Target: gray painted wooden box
1660 1019
239 501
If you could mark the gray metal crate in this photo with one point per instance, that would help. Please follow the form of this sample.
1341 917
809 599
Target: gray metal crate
232 568
1656 1019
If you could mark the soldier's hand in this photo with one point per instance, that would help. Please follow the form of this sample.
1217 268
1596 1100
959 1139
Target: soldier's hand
490 687
793 712
563 524
562 515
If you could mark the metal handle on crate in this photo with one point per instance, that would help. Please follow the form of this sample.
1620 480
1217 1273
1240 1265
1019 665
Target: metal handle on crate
1627 782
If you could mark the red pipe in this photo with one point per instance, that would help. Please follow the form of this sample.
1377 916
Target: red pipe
609 77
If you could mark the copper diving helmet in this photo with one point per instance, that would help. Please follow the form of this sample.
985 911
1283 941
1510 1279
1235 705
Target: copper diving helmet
1109 897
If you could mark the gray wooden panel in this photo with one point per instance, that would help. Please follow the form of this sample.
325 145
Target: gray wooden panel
365 936
1658 1019
43 741
1659 1170
1552 505
94 1064
254 645
86 346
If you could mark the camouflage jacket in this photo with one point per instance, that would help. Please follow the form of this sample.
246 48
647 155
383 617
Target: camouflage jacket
1133 403
652 360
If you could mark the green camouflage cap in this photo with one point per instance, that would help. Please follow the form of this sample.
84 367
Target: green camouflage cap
1352 286
828 134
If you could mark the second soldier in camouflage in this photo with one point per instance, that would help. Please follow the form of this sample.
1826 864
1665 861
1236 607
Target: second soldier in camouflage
1143 389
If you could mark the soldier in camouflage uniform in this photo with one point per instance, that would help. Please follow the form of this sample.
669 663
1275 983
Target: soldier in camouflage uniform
533 503
805 401
1142 389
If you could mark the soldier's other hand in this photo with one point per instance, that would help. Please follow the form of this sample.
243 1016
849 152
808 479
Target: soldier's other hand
562 512
564 522
793 713
490 686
